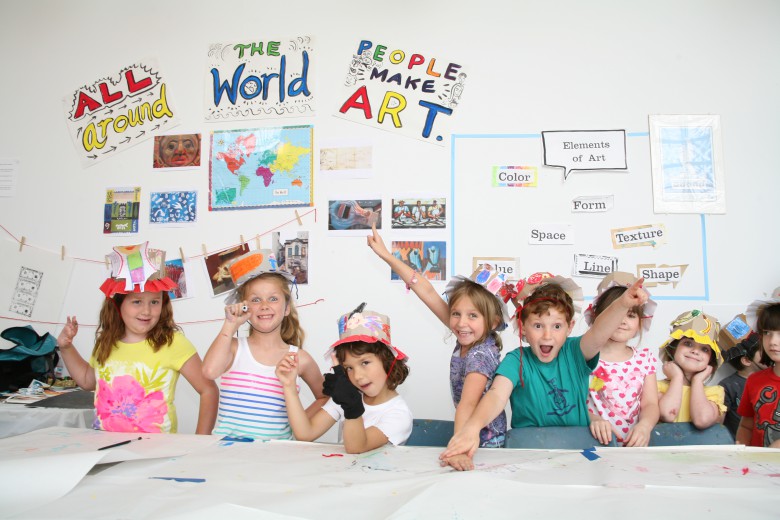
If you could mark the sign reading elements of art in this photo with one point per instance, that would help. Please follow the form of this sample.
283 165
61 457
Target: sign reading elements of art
651 235
514 176
594 265
585 150
662 274
402 90
550 234
258 79
592 204
115 112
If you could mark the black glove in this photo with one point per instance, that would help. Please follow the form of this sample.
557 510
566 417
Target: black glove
338 386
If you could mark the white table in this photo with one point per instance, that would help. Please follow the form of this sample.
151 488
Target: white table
16 419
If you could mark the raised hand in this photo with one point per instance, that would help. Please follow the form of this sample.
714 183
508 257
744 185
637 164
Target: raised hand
338 386
68 332
377 245
635 296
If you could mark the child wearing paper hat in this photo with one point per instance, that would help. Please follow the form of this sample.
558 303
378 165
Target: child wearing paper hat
623 392
546 383
367 369
137 338
745 358
691 356
246 365
760 404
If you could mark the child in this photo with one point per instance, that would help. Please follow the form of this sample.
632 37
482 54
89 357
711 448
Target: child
139 351
691 356
474 314
366 371
760 404
251 402
623 396
547 381
745 357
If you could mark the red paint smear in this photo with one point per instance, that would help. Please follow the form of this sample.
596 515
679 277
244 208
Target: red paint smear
745 471
332 455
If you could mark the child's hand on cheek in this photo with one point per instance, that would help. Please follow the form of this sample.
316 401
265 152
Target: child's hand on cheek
672 370
701 377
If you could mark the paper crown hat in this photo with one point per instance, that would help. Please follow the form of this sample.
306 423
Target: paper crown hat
493 282
620 279
701 328
136 269
751 314
527 286
364 325
251 265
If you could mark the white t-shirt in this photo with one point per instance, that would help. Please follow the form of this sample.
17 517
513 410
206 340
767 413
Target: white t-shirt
393 418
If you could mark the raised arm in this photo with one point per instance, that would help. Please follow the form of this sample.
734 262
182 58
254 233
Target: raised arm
223 349
608 321
78 368
418 283
303 427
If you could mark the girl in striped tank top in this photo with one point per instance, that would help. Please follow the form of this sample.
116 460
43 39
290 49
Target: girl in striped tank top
251 401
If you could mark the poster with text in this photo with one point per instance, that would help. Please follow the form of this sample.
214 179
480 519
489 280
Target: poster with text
261 168
107 115
259 79
409 91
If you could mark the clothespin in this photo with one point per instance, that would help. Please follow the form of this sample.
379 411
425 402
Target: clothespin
205 251
108 262
257 241
242 240
181 254
21 243
62 253
298 218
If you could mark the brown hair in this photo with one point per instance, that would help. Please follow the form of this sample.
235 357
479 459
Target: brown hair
487 305
667 354
291 330
396 369
111 327
767 318
612 294
548 296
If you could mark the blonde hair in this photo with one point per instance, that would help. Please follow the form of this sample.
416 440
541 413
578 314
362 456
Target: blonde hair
487 305
291 330
111 327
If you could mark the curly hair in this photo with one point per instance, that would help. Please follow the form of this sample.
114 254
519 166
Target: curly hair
291 330
111 327
399 371
487 305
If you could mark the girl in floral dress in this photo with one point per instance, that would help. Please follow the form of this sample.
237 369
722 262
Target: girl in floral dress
139 351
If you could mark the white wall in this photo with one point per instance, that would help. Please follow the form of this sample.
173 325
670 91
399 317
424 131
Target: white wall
532 66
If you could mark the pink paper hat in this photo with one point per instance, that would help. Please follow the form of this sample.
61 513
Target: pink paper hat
364 325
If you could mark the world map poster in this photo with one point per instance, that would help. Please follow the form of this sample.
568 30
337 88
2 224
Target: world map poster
261 168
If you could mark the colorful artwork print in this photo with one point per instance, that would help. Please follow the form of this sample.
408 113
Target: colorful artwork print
174 269
121 210
117 111
415 213
257 79
354 214
217 268
292 253
173 207
402 90
261 168
176 151
427 258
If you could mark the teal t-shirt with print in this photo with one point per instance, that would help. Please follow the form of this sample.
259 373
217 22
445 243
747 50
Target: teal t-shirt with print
553 394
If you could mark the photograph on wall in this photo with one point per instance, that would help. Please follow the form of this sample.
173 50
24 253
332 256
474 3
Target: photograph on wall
346 215
261 168
260 78
173 208
419 213
507 266
217 268
346 159
121 210
291 249
408 91
175 270
428 258
118 110
176 151
686 157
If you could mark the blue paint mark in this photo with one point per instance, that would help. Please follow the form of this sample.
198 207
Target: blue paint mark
228 438
590 454
181 479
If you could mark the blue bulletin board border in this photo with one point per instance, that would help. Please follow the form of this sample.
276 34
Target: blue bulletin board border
453 156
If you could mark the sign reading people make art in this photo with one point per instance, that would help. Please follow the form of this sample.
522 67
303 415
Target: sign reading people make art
115 112
261 168
402 90
259 79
